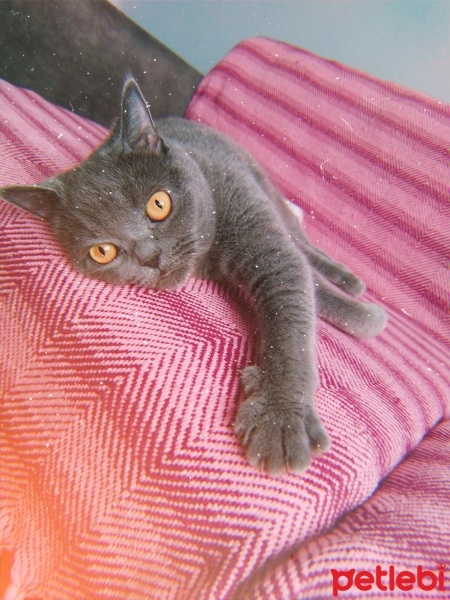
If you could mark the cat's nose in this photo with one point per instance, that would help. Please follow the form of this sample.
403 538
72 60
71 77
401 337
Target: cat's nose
152 260
146 254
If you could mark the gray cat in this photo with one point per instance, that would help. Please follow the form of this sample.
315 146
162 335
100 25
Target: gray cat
154 205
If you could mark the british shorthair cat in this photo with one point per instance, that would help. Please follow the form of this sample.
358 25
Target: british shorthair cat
157 203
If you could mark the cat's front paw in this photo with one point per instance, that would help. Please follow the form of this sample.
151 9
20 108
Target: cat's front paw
277 436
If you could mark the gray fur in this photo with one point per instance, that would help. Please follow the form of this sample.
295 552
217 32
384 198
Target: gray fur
228 223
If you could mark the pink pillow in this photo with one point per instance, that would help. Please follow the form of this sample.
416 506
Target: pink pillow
121 476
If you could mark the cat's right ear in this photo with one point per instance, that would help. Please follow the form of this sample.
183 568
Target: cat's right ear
40 199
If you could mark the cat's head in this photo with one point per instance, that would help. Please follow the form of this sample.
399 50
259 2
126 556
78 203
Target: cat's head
138 210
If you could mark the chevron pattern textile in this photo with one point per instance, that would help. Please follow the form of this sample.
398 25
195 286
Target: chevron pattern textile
404 524
120 476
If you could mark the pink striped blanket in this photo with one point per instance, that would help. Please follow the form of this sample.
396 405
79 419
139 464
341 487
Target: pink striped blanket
120 474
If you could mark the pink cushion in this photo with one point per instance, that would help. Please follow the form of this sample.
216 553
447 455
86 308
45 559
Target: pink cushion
403 525
120 474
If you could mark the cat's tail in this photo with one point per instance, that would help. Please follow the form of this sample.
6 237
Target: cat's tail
359 319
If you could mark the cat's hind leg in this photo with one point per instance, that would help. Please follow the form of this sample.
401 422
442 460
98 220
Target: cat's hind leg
332 270
359 319
335 272
292 217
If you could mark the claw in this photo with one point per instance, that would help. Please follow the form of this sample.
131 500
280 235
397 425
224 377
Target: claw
277 441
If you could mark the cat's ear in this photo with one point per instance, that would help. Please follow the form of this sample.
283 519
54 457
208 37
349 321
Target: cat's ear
40 199
138 131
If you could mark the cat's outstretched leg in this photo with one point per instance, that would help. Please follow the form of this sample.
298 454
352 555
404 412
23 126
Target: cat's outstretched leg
277 436
360 319
277 424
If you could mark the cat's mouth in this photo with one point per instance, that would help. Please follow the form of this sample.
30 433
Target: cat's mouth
168 280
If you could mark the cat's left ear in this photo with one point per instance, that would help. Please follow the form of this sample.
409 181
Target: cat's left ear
138 131
40 199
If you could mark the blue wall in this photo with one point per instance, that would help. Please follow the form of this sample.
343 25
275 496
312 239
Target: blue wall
407 41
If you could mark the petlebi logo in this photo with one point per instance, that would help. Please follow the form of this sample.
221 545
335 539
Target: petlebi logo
388 579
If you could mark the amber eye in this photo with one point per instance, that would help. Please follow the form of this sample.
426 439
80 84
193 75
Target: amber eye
159 206
103 253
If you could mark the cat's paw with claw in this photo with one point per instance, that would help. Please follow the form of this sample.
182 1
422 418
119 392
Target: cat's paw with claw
277 436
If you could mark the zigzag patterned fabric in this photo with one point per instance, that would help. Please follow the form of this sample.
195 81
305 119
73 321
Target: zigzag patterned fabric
120 474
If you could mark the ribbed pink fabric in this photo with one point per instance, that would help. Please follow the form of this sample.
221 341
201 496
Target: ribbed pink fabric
120 474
